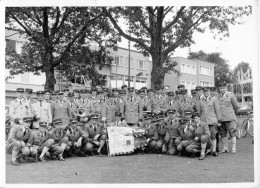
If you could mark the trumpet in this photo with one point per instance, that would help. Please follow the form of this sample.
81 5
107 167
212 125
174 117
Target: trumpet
80 112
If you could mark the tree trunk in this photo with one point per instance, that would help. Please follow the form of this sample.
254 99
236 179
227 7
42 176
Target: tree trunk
157 74
50 79
49 71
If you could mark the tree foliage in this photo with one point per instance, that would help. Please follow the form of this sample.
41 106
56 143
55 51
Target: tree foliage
241 66
222 71
58 36
158 31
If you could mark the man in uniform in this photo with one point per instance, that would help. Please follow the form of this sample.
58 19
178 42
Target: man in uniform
105 90
61 110
16 142
97 136
172 130
148 98
201 138
53 97
194 100
152 134
158 102
19 108
144 101
116 99
65 94
209 111
132 108
162 139
41 110
47 95
180 87
124 87
185 103
171 103
199 91
28 95
77 139
228 108
76 95
108 109
178 95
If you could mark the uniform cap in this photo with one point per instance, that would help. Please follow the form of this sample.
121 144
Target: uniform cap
20 89
76 91
28 90
43 124
105 89
66 89
71 94
123 86
223 84
160 117
184 91
198 88
114 89
147 112
212 89
57 91
154 119
73 120
181 86
118 114
83 91
110 95
187 112
141 91
131 89
52 93
100 92
193 91
195 114
94 89
94 116
27 119
144 88
158 87
60 92
171 111
47 91
147 116
150 90
122 91
177 92
206 88
170 93
56 121
40 92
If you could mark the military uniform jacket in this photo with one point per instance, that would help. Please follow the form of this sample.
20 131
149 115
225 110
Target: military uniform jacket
72 108
228 106
145 105
173 127
209 110
148 103
19 108
185 104
61 111
57 134
118 103
201 129
132 111
195 103
108 111
38 137
162 131
17 134
158 103
152 131
92 131
75 133
172 104
97 104
185 132
86 105
42 109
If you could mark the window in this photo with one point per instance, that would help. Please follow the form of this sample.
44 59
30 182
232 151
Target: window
183 82
206 71
205 84
131 62
188 69
141 64
18 47
131 78
118 60
140 80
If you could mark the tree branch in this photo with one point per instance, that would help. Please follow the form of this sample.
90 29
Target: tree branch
121 32
56 21
174 21
167 11
142 22
82 30
37 17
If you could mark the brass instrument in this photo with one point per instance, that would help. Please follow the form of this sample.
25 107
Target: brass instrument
80 112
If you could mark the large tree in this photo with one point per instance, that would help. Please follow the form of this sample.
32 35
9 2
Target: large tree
241 66
58 36
222 71
158 31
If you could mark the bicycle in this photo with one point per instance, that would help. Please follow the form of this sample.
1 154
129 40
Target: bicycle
247 127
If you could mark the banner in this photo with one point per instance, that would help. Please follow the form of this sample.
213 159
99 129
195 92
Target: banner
123 140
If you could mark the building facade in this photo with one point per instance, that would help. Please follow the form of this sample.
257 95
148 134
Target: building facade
192 73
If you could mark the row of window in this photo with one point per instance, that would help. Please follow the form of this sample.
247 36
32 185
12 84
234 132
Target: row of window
120 61
191 69
191 85
125 77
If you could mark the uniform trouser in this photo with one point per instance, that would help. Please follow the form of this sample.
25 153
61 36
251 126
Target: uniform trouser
227 127
35 149
25 151
152 145
90 145
183 144
56 148
172 145
213 129
197 145
71 147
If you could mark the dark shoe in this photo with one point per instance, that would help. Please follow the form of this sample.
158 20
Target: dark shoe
225 151
215 154
41 159
60 158
193 155
15 163
202 157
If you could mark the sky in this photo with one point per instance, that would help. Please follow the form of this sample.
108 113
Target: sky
240 46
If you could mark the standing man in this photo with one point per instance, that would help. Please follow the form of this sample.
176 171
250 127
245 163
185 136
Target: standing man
28 95
76 95
61 110
132 108
19 108
228 108
47 95
199 91
108 109
209 111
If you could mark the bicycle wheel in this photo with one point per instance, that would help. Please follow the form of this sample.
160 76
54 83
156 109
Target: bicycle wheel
244 128
250 130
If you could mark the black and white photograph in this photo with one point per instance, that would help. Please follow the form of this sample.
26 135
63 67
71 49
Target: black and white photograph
139 95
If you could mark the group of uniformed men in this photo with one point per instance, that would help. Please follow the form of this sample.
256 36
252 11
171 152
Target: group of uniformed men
62 123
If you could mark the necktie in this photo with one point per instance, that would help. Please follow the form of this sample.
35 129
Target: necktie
71 104
131 99
41 103
95 128
20 101
222 94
